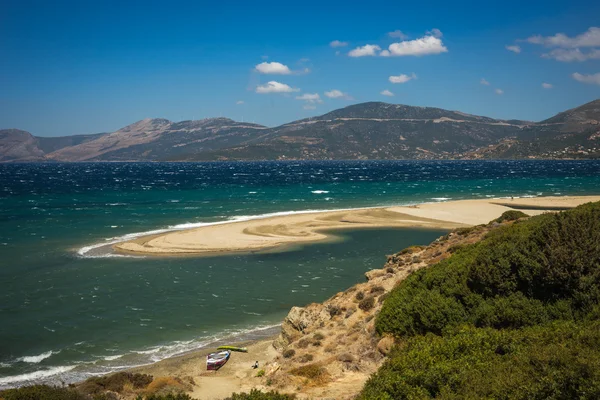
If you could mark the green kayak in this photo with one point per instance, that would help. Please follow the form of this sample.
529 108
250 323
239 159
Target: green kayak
233 348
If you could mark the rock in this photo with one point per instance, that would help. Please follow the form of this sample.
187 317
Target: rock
385 345
272 369
375 273
298 320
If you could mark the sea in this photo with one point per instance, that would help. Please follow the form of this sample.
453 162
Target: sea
71 308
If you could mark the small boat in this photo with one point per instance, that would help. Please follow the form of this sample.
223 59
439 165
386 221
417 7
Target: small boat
214 361
233 348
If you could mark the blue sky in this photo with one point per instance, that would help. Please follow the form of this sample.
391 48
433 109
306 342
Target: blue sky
95 66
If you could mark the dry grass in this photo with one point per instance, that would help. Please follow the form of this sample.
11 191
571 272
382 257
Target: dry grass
166 384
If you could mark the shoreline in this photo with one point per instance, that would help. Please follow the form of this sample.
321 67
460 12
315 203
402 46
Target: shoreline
277 231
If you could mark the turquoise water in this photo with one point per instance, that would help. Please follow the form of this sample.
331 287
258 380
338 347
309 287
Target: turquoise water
69 308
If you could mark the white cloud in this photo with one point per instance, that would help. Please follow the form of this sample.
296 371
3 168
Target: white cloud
239 102
568 55
589 38
419 47
435 32
309 107
499 91
484 82
402 78
514 48
385 53
547 85
275 87
386 93
592 79
366 50
273 68
398 34
338 94
337 43
310 98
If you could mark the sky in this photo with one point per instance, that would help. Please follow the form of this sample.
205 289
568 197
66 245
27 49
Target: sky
87 66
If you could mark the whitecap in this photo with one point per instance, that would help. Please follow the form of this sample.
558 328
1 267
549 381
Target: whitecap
33 376
38 358
320 191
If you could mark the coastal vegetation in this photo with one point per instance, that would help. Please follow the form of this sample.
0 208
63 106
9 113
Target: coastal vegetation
515 315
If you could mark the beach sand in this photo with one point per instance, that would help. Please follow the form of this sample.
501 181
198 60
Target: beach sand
237 375
278 231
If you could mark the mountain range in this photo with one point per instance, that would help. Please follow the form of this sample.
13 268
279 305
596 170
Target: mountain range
371 130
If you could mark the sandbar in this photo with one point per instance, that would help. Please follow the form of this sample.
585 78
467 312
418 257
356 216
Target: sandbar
273 232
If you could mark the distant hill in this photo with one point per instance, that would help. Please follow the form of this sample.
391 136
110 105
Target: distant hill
371 130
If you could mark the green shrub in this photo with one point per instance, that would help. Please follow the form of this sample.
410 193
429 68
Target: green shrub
258 395
560 360
514 277
515 316
261 372
511 215
359 296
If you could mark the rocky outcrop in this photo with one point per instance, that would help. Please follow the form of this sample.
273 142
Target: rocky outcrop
338 336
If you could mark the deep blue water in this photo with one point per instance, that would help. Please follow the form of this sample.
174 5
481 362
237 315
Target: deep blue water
68 309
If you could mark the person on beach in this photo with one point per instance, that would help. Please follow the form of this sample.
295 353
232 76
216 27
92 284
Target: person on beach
255 365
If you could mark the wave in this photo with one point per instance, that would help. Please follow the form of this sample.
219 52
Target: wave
38 358
441 198
320 191
35 376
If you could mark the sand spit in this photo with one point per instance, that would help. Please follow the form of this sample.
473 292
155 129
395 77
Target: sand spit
277 231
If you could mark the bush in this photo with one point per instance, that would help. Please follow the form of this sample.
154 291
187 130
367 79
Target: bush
258 395
367 303
310 371
516 315
42 392
289 353
359 296
412 249
260 373
334 310
114 382
166 385
514 277
376 290
305 358
560 360
168 396
303 343
345 357
318 336
511 215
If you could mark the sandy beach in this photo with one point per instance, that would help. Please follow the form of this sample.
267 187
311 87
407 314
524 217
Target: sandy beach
277 231
236 376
